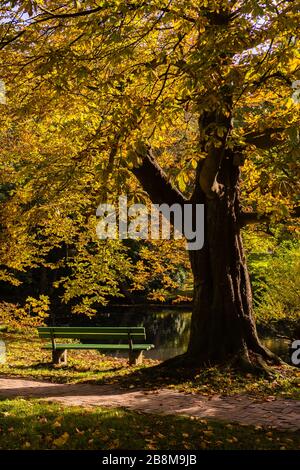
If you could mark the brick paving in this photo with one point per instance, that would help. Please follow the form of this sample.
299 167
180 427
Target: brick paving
279 413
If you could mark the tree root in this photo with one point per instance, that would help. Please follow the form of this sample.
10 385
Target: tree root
253 363
259 362
268 355
181 361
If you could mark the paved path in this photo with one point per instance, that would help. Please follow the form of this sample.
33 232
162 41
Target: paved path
282 414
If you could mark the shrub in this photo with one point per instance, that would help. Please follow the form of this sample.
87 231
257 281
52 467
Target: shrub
31 315
280 286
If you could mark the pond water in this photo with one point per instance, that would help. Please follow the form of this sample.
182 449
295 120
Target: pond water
168 330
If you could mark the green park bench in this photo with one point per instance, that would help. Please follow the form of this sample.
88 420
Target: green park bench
131 339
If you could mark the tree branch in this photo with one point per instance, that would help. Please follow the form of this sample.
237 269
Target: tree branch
178 14
265 139
295 212
209 173
4 43
209 122
155 182
248 218
279 75
68 15
76 14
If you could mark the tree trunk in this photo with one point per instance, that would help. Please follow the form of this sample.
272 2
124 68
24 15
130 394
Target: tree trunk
223 327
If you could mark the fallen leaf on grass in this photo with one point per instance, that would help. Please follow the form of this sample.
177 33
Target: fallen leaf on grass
115 444
79 432
145 432
60 441
232 440
151 445
57 424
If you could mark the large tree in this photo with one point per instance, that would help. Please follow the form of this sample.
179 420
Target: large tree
190 86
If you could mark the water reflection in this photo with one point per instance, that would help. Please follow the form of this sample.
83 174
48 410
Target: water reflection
168 330
279 346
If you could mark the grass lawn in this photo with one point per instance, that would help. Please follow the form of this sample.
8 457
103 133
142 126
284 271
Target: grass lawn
26 358
32 424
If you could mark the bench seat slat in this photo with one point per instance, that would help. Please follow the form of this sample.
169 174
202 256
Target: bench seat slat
91 336
135 347
94 329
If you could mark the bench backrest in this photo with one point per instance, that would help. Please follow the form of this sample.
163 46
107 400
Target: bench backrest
93 333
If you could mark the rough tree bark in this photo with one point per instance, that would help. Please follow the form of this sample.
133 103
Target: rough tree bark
222 327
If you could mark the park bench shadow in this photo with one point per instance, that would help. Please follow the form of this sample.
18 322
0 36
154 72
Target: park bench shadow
139 380
69 368
99 395
52 389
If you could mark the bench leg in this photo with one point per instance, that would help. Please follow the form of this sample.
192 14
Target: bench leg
59 356
135 358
